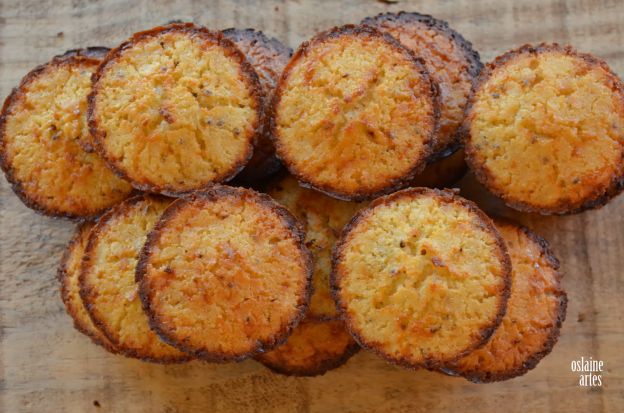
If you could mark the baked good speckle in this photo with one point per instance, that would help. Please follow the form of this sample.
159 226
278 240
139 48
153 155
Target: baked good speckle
535 312
43 137
323 218
351 127
313 348
545 130
175 109
68 274
450 59
225 274
421 277
268 56
107 280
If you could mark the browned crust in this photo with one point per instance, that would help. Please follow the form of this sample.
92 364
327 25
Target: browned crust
76 56
317 370
247 73
596 199
63 277
214 193
477 376
263 164
94 52
301 52
442 27
447 197
119 210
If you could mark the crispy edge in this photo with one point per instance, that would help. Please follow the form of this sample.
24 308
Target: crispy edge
442 27
63 277
246 72
596 199
214 193
478 376
444 196
89 55
418 164
263 164
106 219
320 368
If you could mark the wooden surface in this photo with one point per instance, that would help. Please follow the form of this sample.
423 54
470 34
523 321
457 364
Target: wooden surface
46 366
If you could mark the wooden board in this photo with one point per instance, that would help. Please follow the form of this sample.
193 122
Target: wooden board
47 366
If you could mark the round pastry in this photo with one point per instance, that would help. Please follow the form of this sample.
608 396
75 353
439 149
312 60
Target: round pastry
323 218
313 348
107 279
449 58
268 56
351 127
43 128
535 312
545 130
443 172
68 274
421 277
225 274
175 109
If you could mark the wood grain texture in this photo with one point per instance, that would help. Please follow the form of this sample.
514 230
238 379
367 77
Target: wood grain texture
46 365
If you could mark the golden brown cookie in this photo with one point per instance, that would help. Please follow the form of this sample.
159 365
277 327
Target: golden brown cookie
323 218
450 60
68 274
545 130
175 109
225 274
313 348
351 127
535 312
268 56
107 280
43 137
421 277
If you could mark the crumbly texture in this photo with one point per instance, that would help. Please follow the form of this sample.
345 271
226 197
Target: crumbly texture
546 130
175 109
225 274
268 56
323 218
450 60
42 126
443 172
107 280
348 126
68 274
535 312
421 277
313 348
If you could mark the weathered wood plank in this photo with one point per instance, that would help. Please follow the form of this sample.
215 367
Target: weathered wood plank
47 366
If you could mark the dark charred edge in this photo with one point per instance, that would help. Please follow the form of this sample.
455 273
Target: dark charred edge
263 164
447 197
63 277
5 163
94 52
446 183
597 198
214 193
247 73
318 369
394 183
273 43
85 290
471 55
479 376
